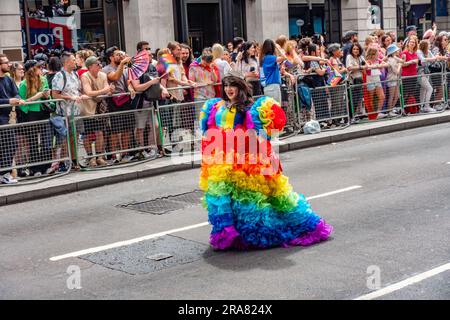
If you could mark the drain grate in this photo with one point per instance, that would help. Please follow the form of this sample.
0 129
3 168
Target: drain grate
151 256
161 206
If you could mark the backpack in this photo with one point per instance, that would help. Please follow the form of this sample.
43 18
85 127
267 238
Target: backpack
154 92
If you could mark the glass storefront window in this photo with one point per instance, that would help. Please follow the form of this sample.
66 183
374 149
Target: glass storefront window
62 25
315 16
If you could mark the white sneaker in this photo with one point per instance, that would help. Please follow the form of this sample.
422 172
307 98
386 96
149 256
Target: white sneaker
382 116
393 114
37 174
8 179
152 154
429 110
127 159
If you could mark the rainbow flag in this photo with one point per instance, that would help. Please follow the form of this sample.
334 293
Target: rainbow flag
168 62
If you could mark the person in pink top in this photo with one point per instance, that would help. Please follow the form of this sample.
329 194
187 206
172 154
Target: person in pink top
410 90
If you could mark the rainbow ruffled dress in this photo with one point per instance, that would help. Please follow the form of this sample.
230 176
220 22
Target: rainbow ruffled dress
250 203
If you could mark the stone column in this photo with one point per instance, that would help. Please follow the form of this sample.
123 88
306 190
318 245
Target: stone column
390 15
267 19
443 23
148 20
10 30
355 16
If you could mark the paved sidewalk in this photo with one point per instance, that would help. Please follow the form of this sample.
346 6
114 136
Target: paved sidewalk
78 181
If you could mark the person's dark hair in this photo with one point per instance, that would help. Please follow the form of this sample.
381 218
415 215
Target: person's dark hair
268 48
65 55
109 52
54 65
311 49
356 44
191 55
237 41
245 92
140 45
305 43
245 47
400 38
383 39
438 43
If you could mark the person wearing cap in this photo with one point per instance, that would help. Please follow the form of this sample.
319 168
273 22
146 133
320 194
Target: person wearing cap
410 31
35 88
350 37
393 75
94 83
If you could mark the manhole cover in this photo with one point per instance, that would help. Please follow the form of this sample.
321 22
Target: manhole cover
168 204
151 256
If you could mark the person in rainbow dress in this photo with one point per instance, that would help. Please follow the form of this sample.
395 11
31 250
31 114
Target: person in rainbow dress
250 203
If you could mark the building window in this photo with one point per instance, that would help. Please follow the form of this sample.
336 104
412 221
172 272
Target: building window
307 17
418 12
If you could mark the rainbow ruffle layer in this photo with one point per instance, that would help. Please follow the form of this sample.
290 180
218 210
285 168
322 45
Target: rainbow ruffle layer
253 211
249 209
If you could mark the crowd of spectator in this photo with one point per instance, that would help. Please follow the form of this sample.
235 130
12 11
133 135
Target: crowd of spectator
373 67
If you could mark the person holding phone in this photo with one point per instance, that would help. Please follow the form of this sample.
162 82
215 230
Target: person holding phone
35 88
248 65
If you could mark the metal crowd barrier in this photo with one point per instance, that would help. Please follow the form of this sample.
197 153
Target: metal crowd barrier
330 106
291 105
365 100
133 136
34 151
422 92
180 127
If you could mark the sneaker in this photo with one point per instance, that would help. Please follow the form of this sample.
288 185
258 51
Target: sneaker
428 110
440 107
23 173
53 169
127 159
393 114
101 162
382 116
37 174
93 162
152 154
8 179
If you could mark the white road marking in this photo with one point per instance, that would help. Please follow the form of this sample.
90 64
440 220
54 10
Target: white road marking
405 283
162 234
335 192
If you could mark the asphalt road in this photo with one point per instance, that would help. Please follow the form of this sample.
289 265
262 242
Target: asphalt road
397 223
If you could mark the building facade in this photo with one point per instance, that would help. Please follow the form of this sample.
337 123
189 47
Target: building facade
29 25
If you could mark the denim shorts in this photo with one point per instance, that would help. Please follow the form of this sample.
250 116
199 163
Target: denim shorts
373 82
